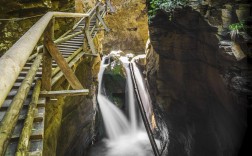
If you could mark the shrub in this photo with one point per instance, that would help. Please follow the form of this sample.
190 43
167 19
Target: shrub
166 5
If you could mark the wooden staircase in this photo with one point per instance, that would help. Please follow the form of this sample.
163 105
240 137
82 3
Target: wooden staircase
72 51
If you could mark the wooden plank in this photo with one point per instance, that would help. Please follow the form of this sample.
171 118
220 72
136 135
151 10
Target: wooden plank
23 143
64 93
67 71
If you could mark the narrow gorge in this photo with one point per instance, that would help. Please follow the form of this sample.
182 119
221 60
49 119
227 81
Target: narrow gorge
161 77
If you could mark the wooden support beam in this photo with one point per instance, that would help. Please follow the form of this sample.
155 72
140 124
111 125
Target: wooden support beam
57 69
67 71
73 62
97 20
52 27
102 22
23 143
64 93
10 119
88 54
65 34
33 56
47 60
88 39
111 8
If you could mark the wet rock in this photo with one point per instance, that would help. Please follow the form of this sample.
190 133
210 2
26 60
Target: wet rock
204 111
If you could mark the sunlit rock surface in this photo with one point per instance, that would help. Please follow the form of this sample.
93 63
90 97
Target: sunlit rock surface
129 27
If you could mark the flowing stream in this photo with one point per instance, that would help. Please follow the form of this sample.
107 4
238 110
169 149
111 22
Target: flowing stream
125 137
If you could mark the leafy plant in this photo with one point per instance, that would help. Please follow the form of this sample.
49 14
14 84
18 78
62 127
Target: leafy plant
166 5
235 29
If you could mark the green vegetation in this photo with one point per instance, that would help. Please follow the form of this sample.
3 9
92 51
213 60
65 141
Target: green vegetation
166 5
235 29
236 26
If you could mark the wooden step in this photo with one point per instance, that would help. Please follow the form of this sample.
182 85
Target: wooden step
72 41
72 44
68 46
13 92
67 50
17 85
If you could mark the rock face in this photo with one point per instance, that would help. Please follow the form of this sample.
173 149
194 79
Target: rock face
129 27
78 117
70 121
199 91
17 11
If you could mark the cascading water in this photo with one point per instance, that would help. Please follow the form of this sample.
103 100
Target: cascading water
115 122
125 137
130 93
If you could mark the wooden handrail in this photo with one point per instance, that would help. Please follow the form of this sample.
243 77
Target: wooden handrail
10 119
94 9
23 142
12 62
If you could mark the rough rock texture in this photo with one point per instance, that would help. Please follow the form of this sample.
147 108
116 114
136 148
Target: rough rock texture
129 27
18 10
77 126
70 121
199 91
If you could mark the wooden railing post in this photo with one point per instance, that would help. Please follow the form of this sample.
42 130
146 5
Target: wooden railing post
99 18
88 37
47 60
86 28
97 11
52 28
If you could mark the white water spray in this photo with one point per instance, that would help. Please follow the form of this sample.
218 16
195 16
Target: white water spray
125 137
115 122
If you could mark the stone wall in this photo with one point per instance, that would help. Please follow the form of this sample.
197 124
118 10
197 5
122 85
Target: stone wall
200 89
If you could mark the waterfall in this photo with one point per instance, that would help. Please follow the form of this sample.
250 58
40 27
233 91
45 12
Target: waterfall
115 122
125 137
130 95
144 94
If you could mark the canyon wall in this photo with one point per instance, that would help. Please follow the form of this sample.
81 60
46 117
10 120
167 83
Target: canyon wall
200 88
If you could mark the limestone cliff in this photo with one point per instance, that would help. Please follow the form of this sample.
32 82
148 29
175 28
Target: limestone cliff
198 86
129 29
